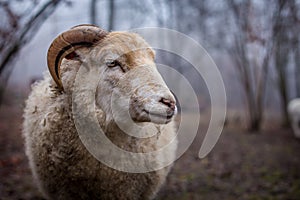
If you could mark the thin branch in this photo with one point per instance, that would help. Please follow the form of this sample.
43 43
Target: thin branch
28 31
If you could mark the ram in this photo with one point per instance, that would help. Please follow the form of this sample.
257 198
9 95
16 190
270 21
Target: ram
60 163
294 113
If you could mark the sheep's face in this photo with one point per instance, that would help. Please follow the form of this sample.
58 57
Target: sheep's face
130 84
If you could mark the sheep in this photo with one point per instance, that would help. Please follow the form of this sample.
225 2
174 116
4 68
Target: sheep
61 165
294 113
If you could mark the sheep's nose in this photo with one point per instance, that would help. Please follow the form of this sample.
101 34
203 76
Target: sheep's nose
168 102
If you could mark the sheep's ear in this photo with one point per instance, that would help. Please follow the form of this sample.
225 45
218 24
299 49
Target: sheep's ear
72 56
65 45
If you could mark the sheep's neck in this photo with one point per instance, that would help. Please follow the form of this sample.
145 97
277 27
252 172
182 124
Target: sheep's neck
127 141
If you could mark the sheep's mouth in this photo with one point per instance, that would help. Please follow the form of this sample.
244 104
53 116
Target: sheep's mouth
158 118
168 116
143 115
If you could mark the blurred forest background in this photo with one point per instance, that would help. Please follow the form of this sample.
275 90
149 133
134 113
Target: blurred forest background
256 46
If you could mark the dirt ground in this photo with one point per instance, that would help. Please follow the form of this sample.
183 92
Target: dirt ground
264 165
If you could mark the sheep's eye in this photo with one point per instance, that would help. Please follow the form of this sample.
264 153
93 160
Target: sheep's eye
112 63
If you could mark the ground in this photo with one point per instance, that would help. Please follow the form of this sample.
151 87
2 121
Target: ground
243 165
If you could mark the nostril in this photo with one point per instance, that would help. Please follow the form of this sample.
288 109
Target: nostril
168 102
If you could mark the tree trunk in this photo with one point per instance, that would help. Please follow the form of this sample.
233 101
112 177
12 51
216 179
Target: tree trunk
93 12
297 70
282 51
281 55
255 124
111 17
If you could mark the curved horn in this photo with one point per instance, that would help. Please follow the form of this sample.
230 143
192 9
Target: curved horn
68 42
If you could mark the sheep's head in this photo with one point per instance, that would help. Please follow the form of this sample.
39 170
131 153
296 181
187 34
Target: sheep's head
128 78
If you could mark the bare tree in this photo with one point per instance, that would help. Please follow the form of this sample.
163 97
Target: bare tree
19 29
294 27
278 39
252 73
285 38
297 67
19 34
